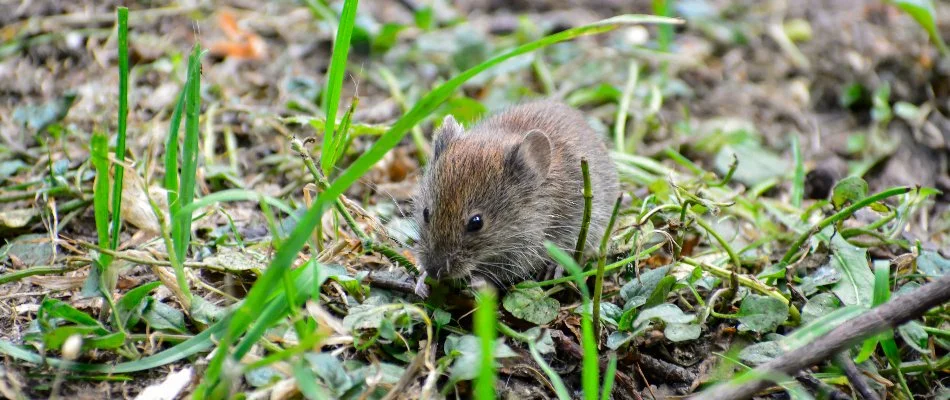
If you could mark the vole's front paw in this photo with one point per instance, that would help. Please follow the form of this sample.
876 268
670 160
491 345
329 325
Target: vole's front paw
552 270
421 289
478 283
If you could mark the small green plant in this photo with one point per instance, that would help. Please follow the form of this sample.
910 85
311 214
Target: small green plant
924 13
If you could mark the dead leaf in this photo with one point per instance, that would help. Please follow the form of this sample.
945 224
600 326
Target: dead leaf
136 209
15 219
170 387
241 44
55 282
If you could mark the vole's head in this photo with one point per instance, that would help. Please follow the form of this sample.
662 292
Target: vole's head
478 206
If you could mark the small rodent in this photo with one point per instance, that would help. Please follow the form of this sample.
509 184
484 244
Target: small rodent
490 197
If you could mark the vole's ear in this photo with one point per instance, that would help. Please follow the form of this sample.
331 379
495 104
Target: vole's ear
449 131
532 154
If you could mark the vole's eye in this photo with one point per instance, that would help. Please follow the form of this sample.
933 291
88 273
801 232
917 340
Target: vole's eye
425 215
475 223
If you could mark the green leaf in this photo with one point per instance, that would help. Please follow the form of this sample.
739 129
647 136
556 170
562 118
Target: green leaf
161 316
818 306
851 94
924 13
260 377
531 305
205 311
110 342
617 339
100 160
122 14
756 163
824 276
661 290
441 317
603 93
466 111
668 313
638 290
468 349
915 336
129 306
849 190
331 372
761 314
931 263
38 118
387 37
423 17
880 104
760 353
820 326
682 332
545 344
53 308
364 316
55 338
857 284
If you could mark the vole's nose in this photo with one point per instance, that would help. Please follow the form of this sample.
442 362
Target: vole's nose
437 266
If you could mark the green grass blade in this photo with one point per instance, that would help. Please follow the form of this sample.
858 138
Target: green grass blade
100 161
171 151
620 126
609 378
924 13
591 368
243 316
331 97
798 179
485 330
662 7
123 17
342 137
559 388
189 159
233 195
195 345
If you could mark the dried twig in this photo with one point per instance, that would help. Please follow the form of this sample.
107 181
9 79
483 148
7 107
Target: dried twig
891 314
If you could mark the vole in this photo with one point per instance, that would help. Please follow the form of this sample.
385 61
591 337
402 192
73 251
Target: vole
490 197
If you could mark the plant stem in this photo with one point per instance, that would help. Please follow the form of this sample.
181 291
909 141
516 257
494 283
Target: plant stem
620 126
608 268
736 262
747 282
599 280
840 215
585 220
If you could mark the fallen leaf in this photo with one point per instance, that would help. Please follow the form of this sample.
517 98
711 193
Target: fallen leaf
241 44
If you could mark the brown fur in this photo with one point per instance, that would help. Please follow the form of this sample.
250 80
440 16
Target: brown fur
526 190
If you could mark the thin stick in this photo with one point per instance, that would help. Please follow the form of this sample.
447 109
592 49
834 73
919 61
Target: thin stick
844 361
888 315
585 222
